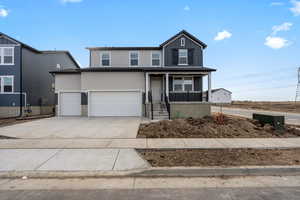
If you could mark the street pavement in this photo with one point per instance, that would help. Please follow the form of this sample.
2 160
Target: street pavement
291 118
234 188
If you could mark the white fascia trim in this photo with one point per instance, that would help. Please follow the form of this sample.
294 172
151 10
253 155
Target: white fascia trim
159 52
185 36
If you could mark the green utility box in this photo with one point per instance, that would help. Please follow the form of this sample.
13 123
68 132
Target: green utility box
276 121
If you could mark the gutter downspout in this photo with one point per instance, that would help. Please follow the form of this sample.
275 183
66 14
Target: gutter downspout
21 84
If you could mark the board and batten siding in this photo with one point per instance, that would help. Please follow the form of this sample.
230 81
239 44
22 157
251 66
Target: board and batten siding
120 58
112 81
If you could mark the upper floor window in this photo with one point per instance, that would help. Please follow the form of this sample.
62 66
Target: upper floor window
105 59
6 84
134 58
182 57
6 55
182 42
155 59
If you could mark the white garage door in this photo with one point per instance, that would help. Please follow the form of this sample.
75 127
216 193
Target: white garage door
115 104
70 104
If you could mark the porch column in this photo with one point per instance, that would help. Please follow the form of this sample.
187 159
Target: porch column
167 85
209 87
147 87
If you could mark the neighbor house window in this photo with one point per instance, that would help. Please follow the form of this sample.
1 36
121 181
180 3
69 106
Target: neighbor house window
181 84
182 57
134 58
182 42
6 55
6 84
105 59
155 59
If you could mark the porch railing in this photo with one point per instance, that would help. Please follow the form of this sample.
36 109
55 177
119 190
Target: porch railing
167 106
185 96
151 103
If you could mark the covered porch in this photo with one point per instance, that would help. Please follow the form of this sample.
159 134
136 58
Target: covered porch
177 87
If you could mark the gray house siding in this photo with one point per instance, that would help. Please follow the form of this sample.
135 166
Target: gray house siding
37 82
196 52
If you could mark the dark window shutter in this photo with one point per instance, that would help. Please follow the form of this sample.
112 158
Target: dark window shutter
170 84
175 56
191 56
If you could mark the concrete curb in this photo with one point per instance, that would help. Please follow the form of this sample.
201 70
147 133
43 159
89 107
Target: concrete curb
163 172
220 171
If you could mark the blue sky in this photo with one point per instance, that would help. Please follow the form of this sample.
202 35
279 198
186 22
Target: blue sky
254 44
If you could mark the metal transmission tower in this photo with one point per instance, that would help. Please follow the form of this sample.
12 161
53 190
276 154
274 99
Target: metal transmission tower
298 87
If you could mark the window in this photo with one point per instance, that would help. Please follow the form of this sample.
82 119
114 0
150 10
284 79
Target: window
182 57
6 84
6 55
181 84
134 58
155 59
105 59
182 42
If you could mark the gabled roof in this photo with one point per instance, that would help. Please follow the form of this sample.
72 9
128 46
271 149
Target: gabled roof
41 52
215 90
183 32
21 43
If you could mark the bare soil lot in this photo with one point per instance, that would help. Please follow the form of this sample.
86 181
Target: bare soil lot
221 157
284 106
208 127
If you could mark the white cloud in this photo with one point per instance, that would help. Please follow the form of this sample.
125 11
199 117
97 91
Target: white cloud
186 8
276 42
223 35
282 27
71 1
296 7
277 3
3 12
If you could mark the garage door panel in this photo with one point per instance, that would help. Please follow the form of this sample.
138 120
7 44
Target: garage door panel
70 104
115 104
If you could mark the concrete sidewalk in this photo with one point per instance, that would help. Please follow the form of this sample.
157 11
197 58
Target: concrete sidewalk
205 143
43 160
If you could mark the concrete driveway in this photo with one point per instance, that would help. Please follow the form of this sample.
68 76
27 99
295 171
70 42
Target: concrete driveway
75 127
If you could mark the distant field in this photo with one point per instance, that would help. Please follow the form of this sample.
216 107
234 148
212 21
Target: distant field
283 106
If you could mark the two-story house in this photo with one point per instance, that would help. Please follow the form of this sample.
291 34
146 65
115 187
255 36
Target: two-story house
26 87
138 81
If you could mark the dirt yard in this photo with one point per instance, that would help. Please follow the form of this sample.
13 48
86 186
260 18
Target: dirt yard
221 157
285 106
208 127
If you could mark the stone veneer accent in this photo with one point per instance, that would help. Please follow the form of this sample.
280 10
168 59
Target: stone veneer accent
13 111
189 109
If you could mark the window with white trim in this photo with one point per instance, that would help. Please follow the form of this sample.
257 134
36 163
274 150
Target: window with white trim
182 57
181 84
105 59
134 58
182 42
6 55
6 84
155 61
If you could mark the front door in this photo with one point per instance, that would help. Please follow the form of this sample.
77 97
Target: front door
156 89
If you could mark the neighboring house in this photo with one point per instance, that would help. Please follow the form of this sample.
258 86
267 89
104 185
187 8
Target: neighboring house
220 95
125 81
26 87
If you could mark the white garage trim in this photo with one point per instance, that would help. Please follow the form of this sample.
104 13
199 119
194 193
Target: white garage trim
59 100
139 92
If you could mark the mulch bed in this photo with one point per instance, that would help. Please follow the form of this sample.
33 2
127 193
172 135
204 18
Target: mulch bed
221 157
208 127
